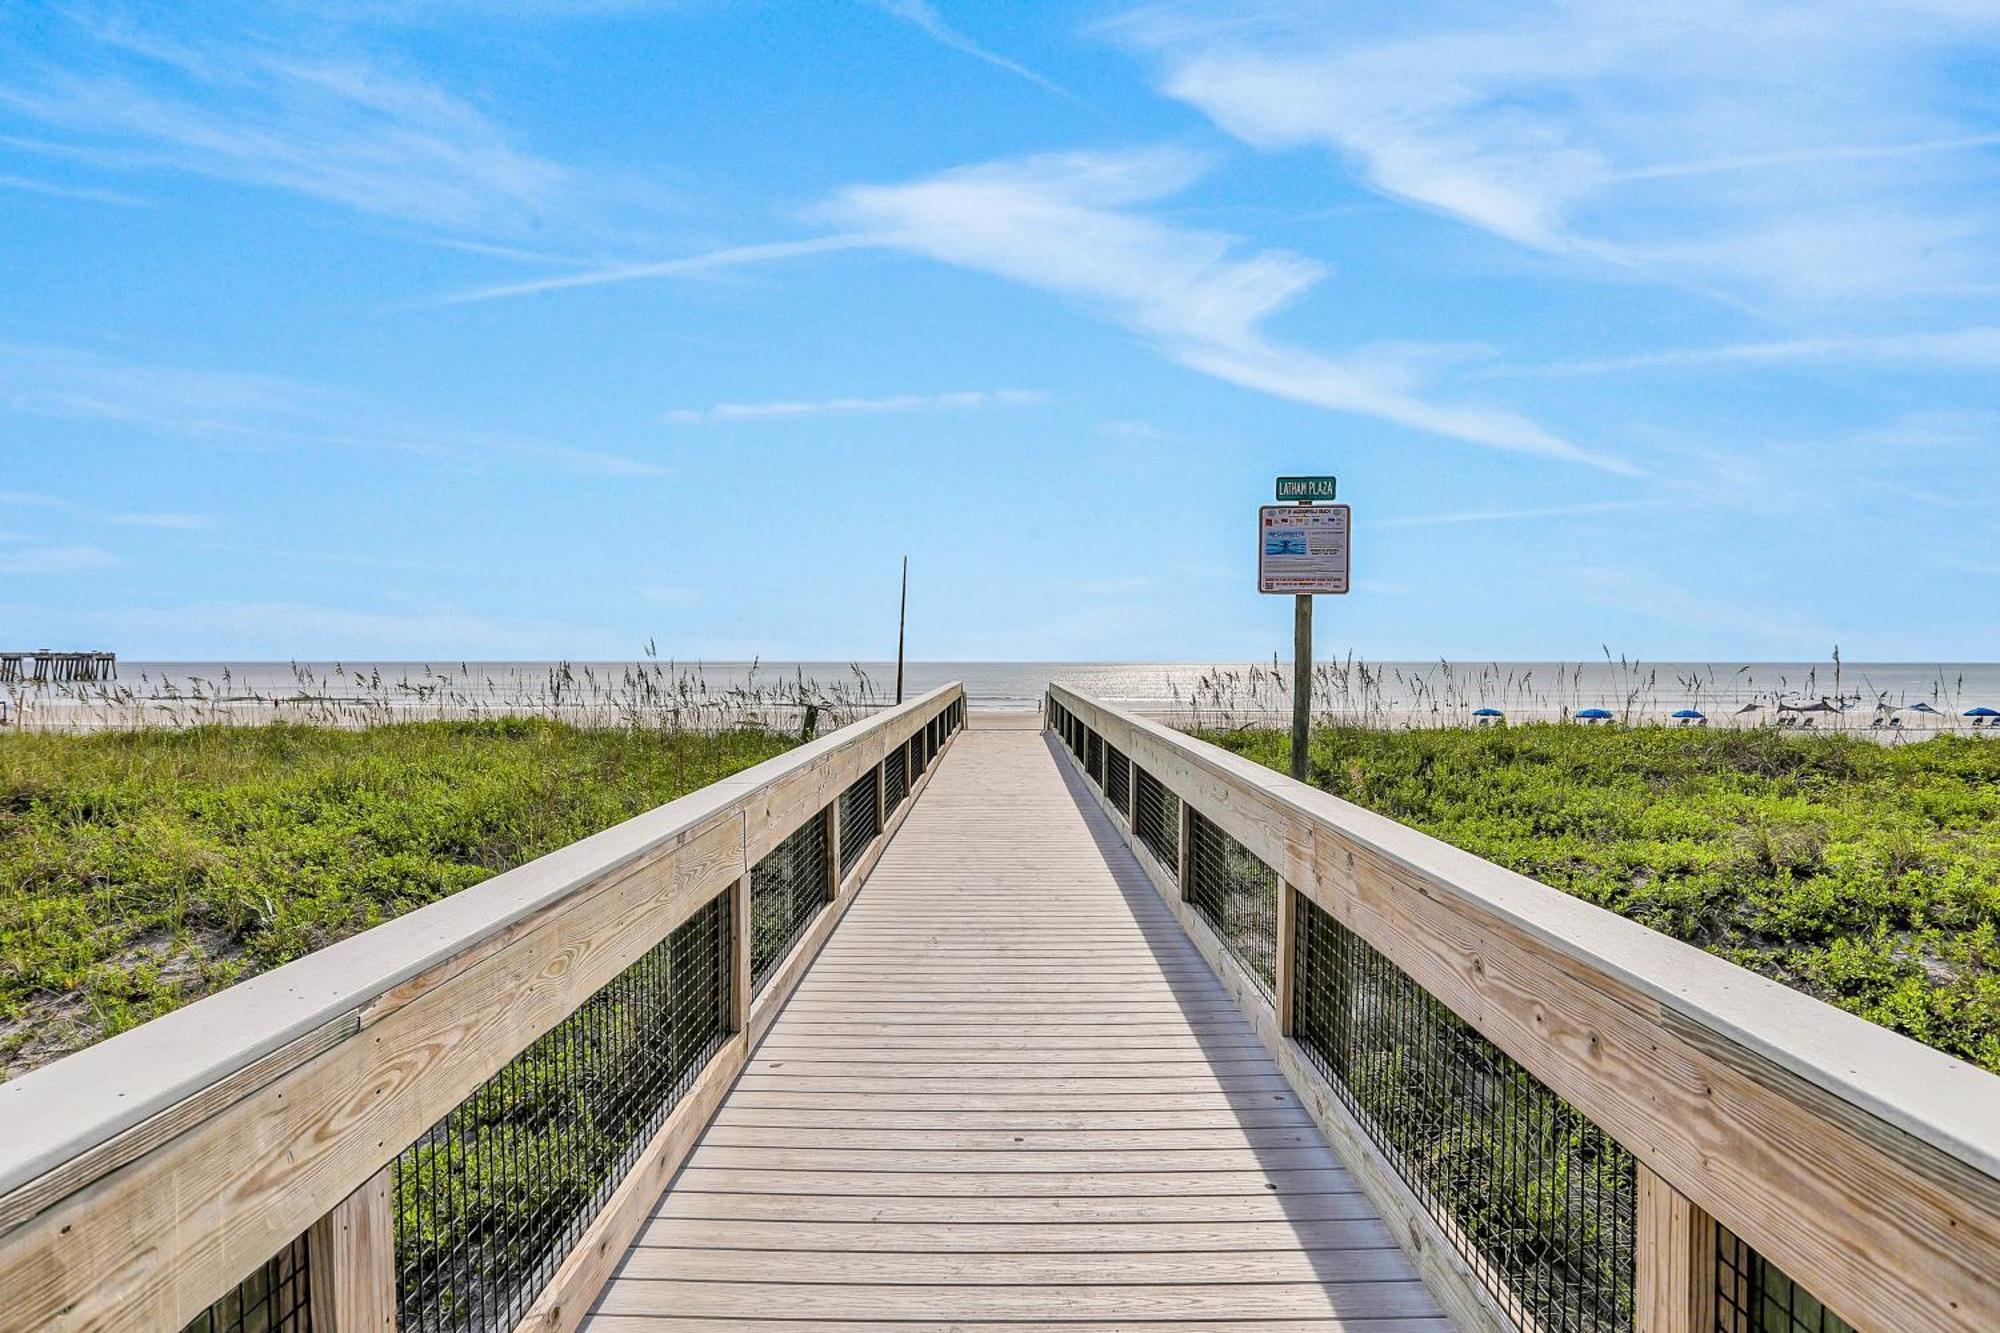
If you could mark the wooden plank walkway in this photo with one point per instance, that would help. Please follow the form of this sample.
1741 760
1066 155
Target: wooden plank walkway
1011 1094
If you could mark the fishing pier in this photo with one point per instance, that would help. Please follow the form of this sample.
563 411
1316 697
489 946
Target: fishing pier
43 667
950 1021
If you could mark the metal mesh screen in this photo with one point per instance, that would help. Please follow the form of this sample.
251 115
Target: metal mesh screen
787 894
1539 1200
895 779
859 819
277 1298
1753 1296
1156 818
496 1194
1237 894
1093 756
1117 780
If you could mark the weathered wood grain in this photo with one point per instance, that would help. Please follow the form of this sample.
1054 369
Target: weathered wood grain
29 1199
351 1258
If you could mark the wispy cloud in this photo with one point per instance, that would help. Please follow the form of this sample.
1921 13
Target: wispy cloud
330 121
1977 347
1515 515
88 194
1905 472
925 15
169 522
247 410
1072 224
1624 134
711 261
56 560
968 400
55 504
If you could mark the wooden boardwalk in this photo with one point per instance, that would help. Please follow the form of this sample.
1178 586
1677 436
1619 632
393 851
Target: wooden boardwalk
1010 1093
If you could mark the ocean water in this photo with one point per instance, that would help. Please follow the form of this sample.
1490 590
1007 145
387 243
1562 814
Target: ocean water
1390 688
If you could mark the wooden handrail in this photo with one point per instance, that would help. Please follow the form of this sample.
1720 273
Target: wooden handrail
1865 1165
143 1177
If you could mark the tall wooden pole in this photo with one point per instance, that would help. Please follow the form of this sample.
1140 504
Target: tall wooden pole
1302 672
1302 678
902 615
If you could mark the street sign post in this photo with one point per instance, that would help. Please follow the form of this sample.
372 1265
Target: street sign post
1305 489
1302 549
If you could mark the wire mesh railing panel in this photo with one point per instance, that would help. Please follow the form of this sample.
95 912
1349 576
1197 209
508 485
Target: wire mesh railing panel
860 821
787 894
499 1191
895 778
1117 780
1156 818
1752 1295
1093 757
1237 894
277 1298
1538 1199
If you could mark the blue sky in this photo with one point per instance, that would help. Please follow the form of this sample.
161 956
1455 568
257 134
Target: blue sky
407 329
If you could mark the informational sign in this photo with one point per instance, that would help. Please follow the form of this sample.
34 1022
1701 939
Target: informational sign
1306 488
1302 549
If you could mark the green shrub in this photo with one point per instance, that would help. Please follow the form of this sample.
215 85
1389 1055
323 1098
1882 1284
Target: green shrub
141 870
1864 874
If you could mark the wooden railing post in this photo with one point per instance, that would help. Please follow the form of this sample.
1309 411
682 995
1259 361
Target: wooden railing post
1186 857
351 1257
1674 1289
739 953
1288 952
833 849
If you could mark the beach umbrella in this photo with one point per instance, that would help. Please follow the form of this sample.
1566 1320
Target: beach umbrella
1594 714
1689 712
1982 711
1749 708
1921 707
1487 712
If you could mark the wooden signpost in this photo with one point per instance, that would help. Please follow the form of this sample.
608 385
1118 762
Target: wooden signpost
1302 549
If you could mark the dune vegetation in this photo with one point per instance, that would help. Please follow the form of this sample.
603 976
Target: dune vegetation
141 870
1867 875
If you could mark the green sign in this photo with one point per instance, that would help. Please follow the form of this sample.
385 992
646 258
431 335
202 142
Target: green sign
1305 488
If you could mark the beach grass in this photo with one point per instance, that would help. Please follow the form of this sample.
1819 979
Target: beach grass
1863 874
141 870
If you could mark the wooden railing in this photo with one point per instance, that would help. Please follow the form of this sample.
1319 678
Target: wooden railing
144 1178
1862 1165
